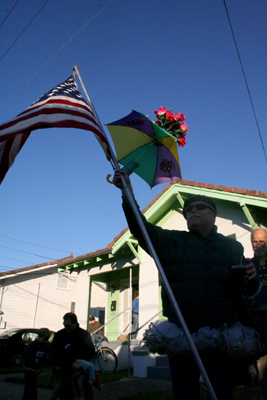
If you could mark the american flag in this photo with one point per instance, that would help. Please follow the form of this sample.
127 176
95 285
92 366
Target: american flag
61 107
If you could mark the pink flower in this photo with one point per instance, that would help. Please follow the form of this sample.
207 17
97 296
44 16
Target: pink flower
184 127
162 110
169 116
179 117
176 116
182 141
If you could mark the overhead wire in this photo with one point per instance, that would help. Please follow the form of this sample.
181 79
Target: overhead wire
5 269
24 30
14 259
25 83
9 13
33 244
246 82
25 252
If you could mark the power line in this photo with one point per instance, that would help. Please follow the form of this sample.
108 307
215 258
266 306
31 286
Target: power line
25 252
4 269
9 13
14 259
252 105
55 54
23 30
34 244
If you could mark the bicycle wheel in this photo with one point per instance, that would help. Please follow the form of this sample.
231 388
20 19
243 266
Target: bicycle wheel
107 360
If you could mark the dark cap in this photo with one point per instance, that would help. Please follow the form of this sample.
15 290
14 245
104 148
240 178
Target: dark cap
203 199
92 317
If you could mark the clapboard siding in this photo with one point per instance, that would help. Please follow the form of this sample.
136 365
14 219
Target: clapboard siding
23 307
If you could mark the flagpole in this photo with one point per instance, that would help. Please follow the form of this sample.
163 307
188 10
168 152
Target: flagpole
154 255
76 71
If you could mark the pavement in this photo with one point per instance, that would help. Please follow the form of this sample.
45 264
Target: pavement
113 390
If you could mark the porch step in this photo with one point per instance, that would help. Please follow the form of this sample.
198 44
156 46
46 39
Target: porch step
161 370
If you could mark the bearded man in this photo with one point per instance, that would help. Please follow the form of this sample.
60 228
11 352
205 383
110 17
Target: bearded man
259 303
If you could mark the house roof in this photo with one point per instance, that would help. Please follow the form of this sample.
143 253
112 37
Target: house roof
50 264
189 187
210 186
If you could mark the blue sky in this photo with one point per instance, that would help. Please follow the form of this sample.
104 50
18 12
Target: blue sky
138 55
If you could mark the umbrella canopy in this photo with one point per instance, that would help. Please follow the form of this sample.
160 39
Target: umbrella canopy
137 138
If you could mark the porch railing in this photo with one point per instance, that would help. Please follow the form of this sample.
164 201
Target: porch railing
116 316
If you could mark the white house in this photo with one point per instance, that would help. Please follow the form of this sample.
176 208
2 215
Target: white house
39 296
124 266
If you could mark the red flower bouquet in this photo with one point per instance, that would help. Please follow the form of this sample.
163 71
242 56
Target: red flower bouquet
173 124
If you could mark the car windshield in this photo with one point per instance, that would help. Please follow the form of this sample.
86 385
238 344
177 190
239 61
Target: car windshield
9 333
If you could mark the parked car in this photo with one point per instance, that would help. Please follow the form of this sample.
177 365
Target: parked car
13 342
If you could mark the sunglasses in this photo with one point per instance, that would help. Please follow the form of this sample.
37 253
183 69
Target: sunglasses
198 207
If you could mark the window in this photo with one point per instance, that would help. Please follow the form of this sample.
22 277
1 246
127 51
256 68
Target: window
29 336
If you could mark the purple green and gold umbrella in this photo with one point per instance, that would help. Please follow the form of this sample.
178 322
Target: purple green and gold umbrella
137 138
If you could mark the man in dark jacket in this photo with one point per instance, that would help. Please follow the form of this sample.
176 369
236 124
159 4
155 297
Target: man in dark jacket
69 344
198 265
259 302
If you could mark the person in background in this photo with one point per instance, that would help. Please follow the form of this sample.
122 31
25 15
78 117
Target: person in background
259 303
135 311
198 265
94 325
34 356
69 344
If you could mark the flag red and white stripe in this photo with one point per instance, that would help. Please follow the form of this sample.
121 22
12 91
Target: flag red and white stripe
61 107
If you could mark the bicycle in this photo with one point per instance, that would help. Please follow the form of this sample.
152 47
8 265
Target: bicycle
106 358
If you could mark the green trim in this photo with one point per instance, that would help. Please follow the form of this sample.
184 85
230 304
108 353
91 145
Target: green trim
138 253
176 194
121 241
180 199
249 216
166 217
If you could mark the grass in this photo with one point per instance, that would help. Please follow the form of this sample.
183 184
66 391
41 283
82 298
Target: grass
47 380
